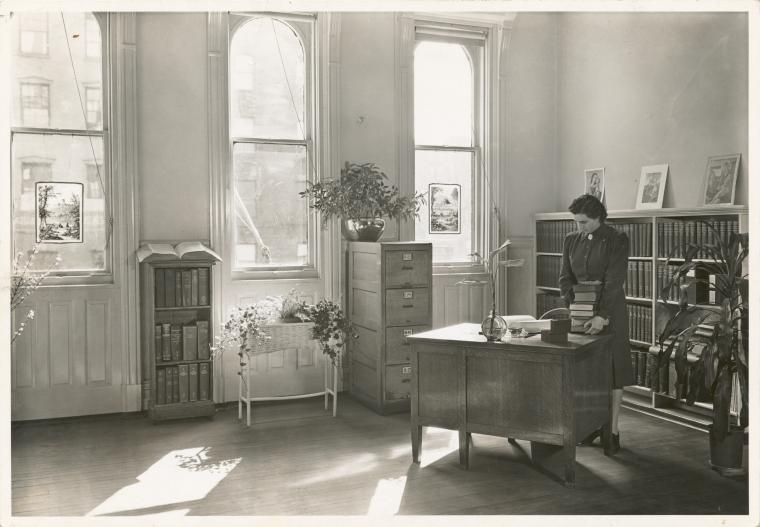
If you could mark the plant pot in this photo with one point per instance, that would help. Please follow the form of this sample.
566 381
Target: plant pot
726 456
363 230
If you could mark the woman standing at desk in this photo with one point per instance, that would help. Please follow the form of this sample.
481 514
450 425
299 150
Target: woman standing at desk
597 252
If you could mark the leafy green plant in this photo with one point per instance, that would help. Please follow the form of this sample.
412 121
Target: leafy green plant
331 328
724 350
244 326
361 192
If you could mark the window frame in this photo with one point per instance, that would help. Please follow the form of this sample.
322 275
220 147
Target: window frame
434 31
46 32
305 27
107 275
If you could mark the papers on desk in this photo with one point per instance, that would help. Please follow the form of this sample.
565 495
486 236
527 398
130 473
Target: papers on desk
528 323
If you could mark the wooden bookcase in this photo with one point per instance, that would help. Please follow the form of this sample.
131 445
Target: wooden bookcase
390 288
652 235
177 327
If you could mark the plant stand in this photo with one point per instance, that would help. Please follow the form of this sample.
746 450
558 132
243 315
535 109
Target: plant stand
244 391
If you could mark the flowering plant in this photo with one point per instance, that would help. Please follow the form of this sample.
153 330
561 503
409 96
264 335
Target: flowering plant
25 281
331 328
242 324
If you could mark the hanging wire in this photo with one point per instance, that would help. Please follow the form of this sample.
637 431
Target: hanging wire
109 232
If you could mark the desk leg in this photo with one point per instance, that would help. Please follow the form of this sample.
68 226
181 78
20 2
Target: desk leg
464 449
569 452
416 442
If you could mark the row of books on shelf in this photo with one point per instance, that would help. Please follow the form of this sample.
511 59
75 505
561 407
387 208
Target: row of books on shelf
547 271
183 383
639 237
673 236
661 380
182 287
545 302
551 234
638 281
176 342
640 323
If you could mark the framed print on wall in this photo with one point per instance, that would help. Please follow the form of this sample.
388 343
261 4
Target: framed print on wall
445 208
720 179
652 187
58 212
594 178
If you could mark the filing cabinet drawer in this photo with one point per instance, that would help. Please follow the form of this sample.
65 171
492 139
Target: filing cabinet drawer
407 307
398 381
407 268
397 349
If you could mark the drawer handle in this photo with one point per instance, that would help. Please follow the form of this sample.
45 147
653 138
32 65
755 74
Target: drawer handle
407 268
408 305
406 380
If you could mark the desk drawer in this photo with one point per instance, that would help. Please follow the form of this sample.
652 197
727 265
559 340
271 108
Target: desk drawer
397 349
407 307
407 268
398 382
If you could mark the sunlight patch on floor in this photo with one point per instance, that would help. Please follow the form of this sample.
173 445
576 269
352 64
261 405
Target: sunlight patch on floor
387 498
361 463
430 456
180 476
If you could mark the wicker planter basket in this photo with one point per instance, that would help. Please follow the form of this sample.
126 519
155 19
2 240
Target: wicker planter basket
283 335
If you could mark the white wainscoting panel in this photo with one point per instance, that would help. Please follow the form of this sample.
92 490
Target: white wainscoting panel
59 349
97 356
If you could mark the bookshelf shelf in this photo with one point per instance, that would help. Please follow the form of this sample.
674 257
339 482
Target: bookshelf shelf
652 234
177 328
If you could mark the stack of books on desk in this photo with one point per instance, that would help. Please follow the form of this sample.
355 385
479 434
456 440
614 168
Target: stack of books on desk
583 307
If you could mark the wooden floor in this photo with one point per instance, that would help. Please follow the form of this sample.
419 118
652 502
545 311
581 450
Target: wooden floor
298 460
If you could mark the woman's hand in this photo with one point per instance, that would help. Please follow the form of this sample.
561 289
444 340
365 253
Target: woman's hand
595 325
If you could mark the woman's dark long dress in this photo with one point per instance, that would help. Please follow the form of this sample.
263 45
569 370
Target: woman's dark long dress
604 257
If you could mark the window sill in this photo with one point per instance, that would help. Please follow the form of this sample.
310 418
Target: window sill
275 274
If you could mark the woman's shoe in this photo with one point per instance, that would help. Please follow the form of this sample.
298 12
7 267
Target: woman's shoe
614 447
589 439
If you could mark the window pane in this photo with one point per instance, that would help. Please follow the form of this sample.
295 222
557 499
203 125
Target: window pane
271 219
53 70
443 95
446 168
40 158
267 81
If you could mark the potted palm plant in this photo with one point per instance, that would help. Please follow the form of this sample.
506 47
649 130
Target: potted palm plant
361 198
724 350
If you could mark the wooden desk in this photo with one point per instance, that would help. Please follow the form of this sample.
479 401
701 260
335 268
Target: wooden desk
551 395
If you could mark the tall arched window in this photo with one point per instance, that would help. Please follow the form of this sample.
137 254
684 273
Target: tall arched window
59 141
447 136
270 102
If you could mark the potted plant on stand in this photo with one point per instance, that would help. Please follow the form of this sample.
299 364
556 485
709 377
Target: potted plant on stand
361 198
724 349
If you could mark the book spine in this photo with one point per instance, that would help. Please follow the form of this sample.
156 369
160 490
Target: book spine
194 287
161 386
192 382
635 365
189 342
170 384
203 340
158 352
648 231
642 368
176 342
160 290
203 281
169 283
648 279
183 385
166 342
187 288
204 375
178 289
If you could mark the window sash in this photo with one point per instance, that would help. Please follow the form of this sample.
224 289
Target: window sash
473 40
304 26
88 276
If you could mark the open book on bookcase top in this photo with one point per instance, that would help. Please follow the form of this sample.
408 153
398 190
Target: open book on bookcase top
151 252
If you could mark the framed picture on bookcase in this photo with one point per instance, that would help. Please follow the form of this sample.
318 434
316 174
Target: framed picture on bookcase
720 180
652 187
594 182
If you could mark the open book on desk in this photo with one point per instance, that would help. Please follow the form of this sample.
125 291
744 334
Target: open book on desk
151 252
